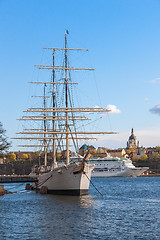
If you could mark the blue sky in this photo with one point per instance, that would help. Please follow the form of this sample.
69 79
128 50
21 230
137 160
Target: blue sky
123 38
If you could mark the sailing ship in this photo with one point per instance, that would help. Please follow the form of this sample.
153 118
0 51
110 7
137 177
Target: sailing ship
68 178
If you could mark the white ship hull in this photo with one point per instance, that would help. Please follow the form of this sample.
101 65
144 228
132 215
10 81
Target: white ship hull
115 167
135 172
66 180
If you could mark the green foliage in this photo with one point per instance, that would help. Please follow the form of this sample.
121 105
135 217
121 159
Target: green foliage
25 156
144 157
155 157
11 157
131 149
135 158
158 149
37 153
4 144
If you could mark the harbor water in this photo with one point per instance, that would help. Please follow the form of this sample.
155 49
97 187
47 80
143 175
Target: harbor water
129 209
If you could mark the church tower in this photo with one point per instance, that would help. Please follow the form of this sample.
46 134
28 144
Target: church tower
132 141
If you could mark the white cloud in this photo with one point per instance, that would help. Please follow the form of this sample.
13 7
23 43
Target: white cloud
113 109
146 99
155 109
156 80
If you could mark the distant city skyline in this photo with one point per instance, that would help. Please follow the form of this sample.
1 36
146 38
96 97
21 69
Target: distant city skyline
123 42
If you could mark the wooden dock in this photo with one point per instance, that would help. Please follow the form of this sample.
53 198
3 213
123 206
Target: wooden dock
16 179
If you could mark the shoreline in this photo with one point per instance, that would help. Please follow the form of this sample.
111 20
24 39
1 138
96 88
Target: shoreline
150 175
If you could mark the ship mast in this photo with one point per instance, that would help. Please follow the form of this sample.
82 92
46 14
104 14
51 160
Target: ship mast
64 113
45 143
54 128
66 88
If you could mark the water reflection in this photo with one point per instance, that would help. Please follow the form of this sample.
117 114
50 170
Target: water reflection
84 201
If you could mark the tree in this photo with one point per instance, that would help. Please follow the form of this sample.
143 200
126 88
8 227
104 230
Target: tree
132 149
37 154
11 157
157 148
25 156
144 157
155 157
4 144
135 159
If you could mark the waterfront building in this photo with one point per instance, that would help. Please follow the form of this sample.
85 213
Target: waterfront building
120 152
84 148
101 150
